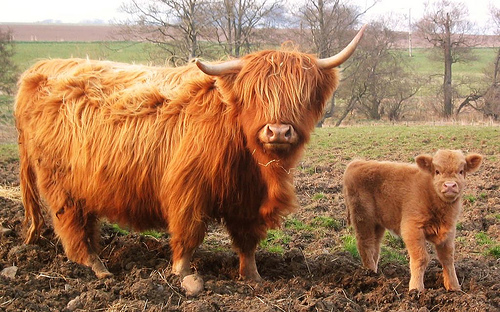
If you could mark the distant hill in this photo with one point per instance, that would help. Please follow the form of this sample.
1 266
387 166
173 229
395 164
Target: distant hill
107 32
62 32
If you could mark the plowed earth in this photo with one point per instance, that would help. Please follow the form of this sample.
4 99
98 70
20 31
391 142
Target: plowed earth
312 272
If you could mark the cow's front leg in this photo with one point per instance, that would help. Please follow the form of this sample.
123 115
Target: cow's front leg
248 267
419 258
445 253
183 244
246 235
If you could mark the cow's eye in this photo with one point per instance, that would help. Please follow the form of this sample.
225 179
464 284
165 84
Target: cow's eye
437 172
461 172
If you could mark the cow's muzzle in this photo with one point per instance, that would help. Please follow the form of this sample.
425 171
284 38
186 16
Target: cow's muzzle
278 137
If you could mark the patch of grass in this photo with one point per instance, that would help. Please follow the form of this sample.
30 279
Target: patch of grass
391 255
483 239
393 241
152 233
492 247
297 225
494 251
326 222
8 152
349 245
117 229
318 196
470 198
274 241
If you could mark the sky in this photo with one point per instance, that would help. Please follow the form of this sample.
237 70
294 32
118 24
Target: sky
67 11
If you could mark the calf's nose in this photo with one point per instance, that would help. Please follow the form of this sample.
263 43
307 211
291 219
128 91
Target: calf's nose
451 185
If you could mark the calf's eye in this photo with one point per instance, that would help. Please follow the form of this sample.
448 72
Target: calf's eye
461 172
437 172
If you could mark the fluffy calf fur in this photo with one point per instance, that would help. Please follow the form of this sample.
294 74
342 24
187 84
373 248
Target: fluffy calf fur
165 148
418 202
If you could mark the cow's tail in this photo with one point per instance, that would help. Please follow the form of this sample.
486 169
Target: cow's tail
31 197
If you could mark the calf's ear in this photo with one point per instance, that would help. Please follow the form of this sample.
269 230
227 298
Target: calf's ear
424 162
473 162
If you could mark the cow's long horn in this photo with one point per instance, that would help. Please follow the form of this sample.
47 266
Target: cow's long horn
221 68
342 56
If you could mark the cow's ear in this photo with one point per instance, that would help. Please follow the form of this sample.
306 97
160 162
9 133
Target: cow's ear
424 162
473 162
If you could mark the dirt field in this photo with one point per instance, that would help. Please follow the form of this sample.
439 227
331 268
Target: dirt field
313 273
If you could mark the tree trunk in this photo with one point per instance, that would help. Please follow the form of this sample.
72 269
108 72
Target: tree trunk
447 89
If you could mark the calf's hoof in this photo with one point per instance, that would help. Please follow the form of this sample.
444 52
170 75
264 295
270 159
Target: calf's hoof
192 284
453 288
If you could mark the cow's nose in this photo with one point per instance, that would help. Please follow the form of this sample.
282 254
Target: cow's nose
279 133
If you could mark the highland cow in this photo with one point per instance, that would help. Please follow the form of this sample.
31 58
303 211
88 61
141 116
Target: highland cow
168 148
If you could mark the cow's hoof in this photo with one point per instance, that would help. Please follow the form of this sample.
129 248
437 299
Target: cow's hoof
105 274
192 284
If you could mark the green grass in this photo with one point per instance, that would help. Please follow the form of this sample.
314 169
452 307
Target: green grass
27 53
492 247
422 64
338 146
8 152
274 241
349 245
326 222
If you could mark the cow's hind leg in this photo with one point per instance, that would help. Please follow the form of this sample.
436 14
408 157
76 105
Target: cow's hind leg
79 234
246 237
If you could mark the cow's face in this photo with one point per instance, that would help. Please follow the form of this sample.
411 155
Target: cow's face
278 97
281 97
448 169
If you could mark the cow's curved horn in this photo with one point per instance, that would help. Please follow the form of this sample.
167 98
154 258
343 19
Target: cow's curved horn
221 68
342 56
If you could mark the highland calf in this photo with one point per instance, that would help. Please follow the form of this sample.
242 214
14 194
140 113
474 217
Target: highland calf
168 148
418 202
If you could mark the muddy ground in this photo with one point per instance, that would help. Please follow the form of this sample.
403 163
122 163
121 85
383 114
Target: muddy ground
313 272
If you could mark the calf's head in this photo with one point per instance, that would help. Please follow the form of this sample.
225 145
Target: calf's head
278 97
448 169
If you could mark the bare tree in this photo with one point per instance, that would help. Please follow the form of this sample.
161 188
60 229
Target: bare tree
8 70
325 27
379 81
236 22
174 25
445 26
492 94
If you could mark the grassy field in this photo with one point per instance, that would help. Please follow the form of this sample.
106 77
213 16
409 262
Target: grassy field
337 146
28 52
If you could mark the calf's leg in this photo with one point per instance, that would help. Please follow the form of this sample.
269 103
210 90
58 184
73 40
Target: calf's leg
419 258
368 239
445 253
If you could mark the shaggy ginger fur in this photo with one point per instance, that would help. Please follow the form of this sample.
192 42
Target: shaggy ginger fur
165 148
419 203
